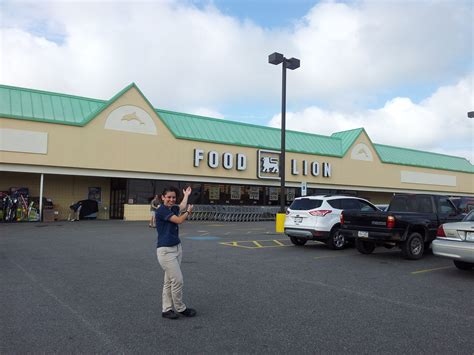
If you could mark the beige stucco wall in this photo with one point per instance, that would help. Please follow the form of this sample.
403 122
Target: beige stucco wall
93 147
136 212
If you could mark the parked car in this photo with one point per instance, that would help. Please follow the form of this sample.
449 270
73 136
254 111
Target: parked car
456 241
464 203
410 223
317 218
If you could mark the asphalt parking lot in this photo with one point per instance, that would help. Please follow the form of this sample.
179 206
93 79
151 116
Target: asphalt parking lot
95 287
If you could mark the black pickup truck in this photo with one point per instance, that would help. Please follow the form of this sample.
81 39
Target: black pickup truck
410 223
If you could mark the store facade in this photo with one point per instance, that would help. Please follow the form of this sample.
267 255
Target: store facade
123 151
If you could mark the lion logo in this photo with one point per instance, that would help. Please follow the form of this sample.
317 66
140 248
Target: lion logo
270 165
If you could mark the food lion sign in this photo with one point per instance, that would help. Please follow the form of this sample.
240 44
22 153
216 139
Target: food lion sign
268 163
268 166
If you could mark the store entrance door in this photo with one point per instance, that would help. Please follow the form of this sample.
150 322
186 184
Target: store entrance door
118 194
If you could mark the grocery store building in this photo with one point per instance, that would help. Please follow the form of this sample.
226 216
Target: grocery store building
123 151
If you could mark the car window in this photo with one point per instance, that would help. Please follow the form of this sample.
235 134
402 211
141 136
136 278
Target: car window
411 203
305 204
424 204
469 217
445 206
465 204
456 201
365 206
350 204
398 204
335 204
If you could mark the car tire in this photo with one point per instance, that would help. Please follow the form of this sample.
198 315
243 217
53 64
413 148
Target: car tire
365 247
414 247
336 240
463 265
298 241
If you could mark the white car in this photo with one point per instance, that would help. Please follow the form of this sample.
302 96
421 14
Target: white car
455 241
318 218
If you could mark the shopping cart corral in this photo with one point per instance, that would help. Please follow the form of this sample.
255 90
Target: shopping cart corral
226 213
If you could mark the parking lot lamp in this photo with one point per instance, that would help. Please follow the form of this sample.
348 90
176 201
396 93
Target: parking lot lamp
292 64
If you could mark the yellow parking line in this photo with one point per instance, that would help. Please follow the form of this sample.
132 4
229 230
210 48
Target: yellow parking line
428 270
234 244
256 244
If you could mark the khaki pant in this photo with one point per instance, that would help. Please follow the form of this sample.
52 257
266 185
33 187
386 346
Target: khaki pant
170 260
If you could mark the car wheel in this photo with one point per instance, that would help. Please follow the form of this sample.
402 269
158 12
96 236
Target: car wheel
298 241
462 265
365 247
413 247
336 240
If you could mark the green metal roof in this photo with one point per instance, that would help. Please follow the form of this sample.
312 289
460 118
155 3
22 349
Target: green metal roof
185 126
42 106
347 137
412 157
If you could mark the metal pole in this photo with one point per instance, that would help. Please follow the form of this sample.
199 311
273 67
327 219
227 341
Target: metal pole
41 198
283 147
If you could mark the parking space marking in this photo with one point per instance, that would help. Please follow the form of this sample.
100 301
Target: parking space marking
258 244
429 270
333 256
279 243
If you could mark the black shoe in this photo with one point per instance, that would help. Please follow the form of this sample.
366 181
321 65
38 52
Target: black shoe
188 312
169 314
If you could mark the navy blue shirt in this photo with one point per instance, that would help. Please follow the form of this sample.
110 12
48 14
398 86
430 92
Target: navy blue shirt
168 232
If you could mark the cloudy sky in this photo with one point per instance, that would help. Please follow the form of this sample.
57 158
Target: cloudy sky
403 70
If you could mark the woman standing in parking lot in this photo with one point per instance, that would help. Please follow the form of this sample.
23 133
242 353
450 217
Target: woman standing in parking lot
169 252
154 204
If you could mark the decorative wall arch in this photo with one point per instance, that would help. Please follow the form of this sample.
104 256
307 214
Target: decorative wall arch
361 152
132 119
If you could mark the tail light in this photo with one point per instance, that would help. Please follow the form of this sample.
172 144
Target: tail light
390 222
341 218
440 232
319 213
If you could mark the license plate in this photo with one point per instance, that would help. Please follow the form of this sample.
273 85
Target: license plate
470 236
362 234
298 220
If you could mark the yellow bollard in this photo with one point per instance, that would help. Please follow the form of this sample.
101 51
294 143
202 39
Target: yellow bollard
280 222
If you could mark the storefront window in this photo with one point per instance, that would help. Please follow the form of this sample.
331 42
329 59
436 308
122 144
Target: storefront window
140 191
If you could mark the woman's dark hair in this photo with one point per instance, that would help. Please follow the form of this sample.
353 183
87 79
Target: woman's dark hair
170 189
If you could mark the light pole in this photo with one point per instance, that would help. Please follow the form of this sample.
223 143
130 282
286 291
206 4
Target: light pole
292 63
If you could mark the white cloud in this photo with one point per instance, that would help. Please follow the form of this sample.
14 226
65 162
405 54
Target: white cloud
184 57
439 123
206 112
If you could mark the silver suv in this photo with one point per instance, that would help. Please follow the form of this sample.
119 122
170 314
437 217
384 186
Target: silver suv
318 218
